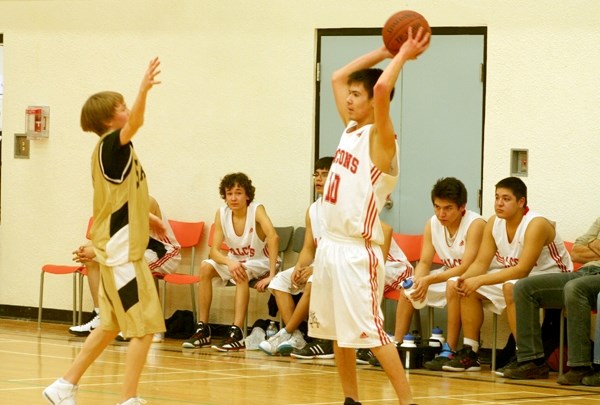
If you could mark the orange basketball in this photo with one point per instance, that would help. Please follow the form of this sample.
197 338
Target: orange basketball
395 30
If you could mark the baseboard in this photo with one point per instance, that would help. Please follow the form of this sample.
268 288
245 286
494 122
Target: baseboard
31 314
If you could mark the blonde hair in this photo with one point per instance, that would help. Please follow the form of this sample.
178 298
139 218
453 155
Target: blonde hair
98 109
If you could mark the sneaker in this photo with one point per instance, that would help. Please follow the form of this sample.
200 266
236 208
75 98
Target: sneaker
296 341
363 356
592 380
86 328
121 338
158 337
255 338
200 338
575 376
374 362
61 392
134 401
465 360
512 363
444 357
317 349
527 371
269 346
234 342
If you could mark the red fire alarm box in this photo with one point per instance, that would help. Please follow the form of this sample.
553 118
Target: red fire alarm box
36 122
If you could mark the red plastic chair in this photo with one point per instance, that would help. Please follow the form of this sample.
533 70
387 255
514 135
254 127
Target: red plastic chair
59 269
188 234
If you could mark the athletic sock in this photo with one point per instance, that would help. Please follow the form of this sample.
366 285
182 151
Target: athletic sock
473 343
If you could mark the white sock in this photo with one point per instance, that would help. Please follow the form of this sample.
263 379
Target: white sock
63 381
473 343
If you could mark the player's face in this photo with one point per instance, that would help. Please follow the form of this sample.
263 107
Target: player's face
236 197
358 102
447 212
506 204
120 117
320 176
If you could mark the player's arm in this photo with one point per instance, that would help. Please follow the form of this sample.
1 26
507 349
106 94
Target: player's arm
217 241
339 79
427 253
136 115
383 137
303 269
387 239
472 243
587 247
540 232
156 224
485 254
272 238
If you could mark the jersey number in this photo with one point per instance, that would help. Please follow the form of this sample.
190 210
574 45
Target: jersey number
332 190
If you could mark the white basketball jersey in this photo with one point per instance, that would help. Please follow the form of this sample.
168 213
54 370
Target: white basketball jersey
248 246
314 214
554 257
356 190
451 252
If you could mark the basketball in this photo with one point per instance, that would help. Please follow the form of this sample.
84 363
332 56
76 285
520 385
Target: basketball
395 29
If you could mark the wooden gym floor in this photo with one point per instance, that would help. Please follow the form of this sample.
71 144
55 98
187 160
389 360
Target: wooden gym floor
30 360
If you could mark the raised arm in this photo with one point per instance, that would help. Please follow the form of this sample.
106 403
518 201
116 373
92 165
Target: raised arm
136 115
383 136
339 79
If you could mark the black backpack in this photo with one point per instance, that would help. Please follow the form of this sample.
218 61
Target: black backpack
180 325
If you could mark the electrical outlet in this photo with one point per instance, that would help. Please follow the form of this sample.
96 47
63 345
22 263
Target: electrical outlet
21 146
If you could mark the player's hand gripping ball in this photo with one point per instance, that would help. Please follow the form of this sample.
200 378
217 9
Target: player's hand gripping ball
395 30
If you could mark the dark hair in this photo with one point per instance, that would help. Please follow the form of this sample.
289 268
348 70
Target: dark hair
516 185
98 109
237 179
324 163
368 78
451 189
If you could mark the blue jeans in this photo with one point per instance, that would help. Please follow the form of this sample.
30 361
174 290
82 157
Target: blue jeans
575 291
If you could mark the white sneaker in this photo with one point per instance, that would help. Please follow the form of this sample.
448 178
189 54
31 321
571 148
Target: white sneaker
86 328
270 346
134 401
296 341
61 393
254 338
158 337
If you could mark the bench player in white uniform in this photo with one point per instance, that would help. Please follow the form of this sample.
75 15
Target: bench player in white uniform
253 243
349 276
297 279
162 255
454 233
525 244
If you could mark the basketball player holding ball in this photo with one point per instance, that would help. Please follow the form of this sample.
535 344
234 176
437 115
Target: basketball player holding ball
349 275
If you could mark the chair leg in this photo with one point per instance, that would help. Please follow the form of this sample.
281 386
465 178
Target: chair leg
194 303
494 338
430 309
80 315
41 300
561 342
75 285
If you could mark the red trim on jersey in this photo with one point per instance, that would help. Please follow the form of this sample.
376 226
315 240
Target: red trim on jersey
373 263
553 249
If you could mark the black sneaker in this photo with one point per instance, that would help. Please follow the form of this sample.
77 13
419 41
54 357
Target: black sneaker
200 338
317 349
527 371
465 360
512 363
364 356
592 380
575 376
234 342
444 357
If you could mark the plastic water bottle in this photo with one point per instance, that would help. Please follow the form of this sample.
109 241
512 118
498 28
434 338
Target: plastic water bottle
437 337
408 341
408 291
271 329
